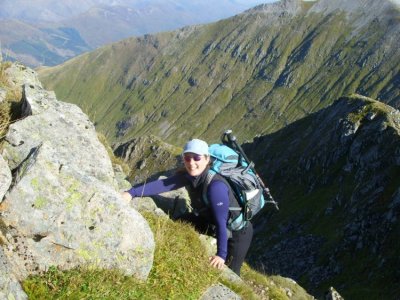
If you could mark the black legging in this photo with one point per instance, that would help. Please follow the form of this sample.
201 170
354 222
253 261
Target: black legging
238 244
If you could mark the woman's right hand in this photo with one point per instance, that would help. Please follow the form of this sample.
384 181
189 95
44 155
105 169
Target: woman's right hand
126 196
217 262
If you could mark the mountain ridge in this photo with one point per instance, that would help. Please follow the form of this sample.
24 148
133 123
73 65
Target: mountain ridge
253 64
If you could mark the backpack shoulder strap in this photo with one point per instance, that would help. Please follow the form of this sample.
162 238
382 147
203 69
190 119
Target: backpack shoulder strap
236 219
212 175
207 181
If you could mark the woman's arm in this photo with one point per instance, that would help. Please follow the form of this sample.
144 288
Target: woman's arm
159 186
218 195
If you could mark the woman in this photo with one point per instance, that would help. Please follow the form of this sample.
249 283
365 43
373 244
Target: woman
232 246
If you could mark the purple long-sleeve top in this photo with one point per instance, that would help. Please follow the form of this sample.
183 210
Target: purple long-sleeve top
217 194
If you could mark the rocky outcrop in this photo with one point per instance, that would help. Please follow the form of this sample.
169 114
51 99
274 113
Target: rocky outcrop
5 177
332 294
64 207
148 156
278 9
9 286
219 291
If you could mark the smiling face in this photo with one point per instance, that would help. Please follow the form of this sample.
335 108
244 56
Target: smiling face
195 164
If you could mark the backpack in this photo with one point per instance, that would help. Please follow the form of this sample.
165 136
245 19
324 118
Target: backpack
243 181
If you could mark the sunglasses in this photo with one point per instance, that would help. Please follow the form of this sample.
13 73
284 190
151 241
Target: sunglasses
189 157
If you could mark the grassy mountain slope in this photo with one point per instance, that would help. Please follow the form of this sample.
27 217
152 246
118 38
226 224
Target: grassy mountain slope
266 67
336 174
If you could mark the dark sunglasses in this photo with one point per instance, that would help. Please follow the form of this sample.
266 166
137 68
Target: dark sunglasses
189 157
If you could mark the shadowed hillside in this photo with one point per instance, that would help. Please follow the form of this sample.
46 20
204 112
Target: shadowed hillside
336 175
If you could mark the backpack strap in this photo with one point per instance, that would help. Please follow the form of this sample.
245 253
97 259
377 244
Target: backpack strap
233 224
207 181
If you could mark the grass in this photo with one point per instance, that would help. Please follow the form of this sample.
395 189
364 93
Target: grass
4 106
10 107
180 271
4 118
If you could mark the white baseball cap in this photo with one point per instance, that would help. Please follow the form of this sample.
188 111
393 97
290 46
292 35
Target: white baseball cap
196 146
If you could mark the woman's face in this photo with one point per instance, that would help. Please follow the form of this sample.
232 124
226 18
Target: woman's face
195 164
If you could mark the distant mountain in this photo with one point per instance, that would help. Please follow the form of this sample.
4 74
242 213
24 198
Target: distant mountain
36 46
267 67
117 22
57 11
67 28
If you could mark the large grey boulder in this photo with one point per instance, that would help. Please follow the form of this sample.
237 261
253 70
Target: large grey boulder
18 75
9 286
64 208
68 131
5 177
174 203
219 291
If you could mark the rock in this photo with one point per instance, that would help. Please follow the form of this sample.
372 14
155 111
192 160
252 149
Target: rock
146 204
3 94
5 178
279 8
209 243
68 131
231 276
149 156
19 74
120 177
35 99
9 286
175 203
64 208
219 291
332 294
64 218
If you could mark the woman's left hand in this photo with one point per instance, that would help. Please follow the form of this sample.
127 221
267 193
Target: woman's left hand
217 262
126 196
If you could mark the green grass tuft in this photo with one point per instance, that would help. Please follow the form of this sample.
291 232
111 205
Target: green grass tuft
10 107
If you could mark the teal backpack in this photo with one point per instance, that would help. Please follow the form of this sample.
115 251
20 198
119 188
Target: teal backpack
234 166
